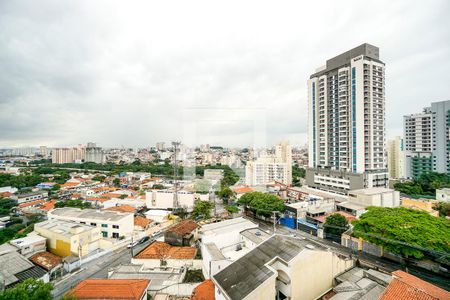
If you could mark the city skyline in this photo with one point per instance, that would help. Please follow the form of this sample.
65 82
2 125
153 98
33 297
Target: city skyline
66 78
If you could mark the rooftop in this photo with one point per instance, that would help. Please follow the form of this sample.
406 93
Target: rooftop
158 250
46 260
406 286
141 221
28 240
245 274
122 208
255 235
371 191
16 268
92 214
111 289
65 228
204 291
184 227
227 226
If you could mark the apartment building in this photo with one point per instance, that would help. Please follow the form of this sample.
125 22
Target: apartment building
346 126
112 224
396 158
269 168
427 141
78 154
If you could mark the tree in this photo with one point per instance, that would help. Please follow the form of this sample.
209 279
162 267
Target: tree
261 203
73 203
5 206
232 209
297 173
443 208
158 186
202 209
30 289
56 187
408 232
116 182
336 224
99 177
123 196
226 193
424 185
202 186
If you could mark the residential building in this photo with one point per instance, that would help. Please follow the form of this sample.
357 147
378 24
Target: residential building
281 267
112 224
48 261
213 174
427 140
130 289
164 199
269 168
204 291
15 268
30 244
160 254
62 155
346 126
95 154
69 238
226 241
405 286
184 233
160 146
30 197
43 151
396 158
443 194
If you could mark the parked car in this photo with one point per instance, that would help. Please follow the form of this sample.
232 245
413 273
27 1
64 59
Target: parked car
131 245
144 239
157 233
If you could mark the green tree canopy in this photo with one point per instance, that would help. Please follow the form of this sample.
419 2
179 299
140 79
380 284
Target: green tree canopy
443 208
202 209
261 203
426 184
411 233
202 186
335 224
232 209
30 289
73 203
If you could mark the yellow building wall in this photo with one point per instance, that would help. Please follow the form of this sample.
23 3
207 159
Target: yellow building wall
62 249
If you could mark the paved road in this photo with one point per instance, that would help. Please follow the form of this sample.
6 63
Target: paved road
98 268
364 259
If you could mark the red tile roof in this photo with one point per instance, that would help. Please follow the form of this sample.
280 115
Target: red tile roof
5 194
243 190
122 208
405 286
97 199
110 289
141 221
111 195
159 250
204 291
49 205
32 203
184 227
46 260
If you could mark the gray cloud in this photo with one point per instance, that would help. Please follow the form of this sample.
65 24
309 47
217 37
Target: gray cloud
126 74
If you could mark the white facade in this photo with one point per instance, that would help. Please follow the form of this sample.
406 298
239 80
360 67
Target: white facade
269 168
30 244
382 197
112 224
443 194
164 199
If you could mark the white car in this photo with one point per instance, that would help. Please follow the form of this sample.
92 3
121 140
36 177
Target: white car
157 233
131 245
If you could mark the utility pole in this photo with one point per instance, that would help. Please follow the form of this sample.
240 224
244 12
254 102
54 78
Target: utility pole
274 221
175 175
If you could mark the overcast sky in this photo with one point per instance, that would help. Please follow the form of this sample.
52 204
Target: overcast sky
133 73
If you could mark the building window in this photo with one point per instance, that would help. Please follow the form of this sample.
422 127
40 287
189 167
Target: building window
94 224
105 225
115 235
115 226
104 234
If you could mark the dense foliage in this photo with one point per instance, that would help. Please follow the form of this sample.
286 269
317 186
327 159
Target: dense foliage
297 173
335 224
443 208
20 181
425 184
73 203
5 206
30 289
202 209
262 204
232 209
411 233
202 186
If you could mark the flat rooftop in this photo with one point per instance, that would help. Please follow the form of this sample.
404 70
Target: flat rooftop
236 224
255 235
371 191
65 228
91 214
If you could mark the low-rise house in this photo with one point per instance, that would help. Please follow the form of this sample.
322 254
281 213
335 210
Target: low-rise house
48 261
141 223
129 289
30 197
184 233
112 224
30 244
225 242
46 185
281 267
405 286
122 208
15 268
239 191
160 254
66 238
